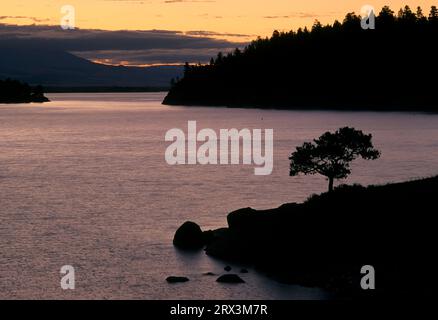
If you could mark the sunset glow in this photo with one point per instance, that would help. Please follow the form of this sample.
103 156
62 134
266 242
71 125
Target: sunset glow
233 20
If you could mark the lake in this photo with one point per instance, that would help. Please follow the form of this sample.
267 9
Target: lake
84 182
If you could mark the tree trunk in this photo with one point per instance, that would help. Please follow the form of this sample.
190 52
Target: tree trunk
331 180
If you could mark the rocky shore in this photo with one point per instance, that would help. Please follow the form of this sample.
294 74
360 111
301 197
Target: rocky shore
326 240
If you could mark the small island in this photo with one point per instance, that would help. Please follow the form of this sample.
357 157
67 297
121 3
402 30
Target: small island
13 91
339 66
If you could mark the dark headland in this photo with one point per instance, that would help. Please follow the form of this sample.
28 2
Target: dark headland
325 241
338 66
13 91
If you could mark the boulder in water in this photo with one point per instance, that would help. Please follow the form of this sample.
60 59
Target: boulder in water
189 236
230 278
174 279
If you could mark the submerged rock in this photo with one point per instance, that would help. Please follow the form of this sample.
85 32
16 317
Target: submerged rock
209 274
244 270
189 236
227 268
230 278
174 279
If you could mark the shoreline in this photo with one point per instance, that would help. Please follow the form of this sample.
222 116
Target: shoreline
433 109
323 243
104 89
40 100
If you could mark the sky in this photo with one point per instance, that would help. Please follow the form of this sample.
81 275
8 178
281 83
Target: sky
235 21
240 17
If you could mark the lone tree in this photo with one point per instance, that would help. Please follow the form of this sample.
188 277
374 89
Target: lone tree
331 154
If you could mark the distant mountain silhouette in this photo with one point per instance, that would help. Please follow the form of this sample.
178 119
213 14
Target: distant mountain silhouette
54 68
336 66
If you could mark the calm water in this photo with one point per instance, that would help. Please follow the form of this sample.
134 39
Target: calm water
83 181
